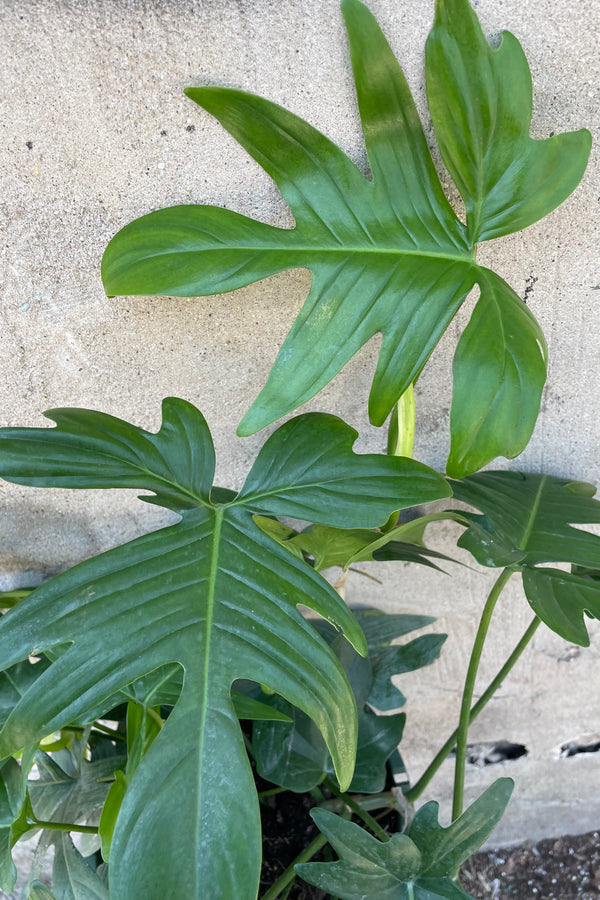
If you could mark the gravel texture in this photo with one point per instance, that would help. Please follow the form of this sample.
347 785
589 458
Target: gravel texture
564 868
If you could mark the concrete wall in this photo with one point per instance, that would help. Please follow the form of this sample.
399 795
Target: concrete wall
95 131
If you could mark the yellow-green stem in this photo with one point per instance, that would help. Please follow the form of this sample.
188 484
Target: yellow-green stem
8 599
63 826
357 809
401 435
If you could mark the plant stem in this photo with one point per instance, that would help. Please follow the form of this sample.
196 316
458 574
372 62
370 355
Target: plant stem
63 826
156 718
103 729
356 808
385 800
401 435
271 792
286 877
417 789
110 732
249 747
8 599
467 698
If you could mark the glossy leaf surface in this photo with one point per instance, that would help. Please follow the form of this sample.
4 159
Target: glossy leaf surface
387 255
212 594
527 520
500 351
419 865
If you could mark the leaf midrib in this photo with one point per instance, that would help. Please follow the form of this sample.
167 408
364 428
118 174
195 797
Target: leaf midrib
144 471
533 514
248 499
312 251
210 607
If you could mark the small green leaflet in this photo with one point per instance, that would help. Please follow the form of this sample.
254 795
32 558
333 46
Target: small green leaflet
72 878
70 788
387 255
212 594
526 521
12 808
15 681
419 865
562 600
39 891
329 546
295 756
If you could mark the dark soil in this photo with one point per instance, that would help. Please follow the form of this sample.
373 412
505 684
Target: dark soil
562 869
287 830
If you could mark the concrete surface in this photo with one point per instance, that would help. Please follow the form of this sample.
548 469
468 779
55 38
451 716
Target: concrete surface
95 131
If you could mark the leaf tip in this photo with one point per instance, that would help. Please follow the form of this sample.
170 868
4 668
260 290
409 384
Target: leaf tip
254 420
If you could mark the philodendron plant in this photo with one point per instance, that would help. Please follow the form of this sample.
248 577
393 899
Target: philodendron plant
124 679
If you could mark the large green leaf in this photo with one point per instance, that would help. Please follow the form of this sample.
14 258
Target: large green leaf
387 255
212 594
526 521
419 865
500 357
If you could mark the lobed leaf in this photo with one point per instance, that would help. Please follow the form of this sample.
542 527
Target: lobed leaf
294 755
419 865
444 850
494 358
69 788
561 599
528 518
339 488
396 660
526 521
386 255
211 596
89 449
